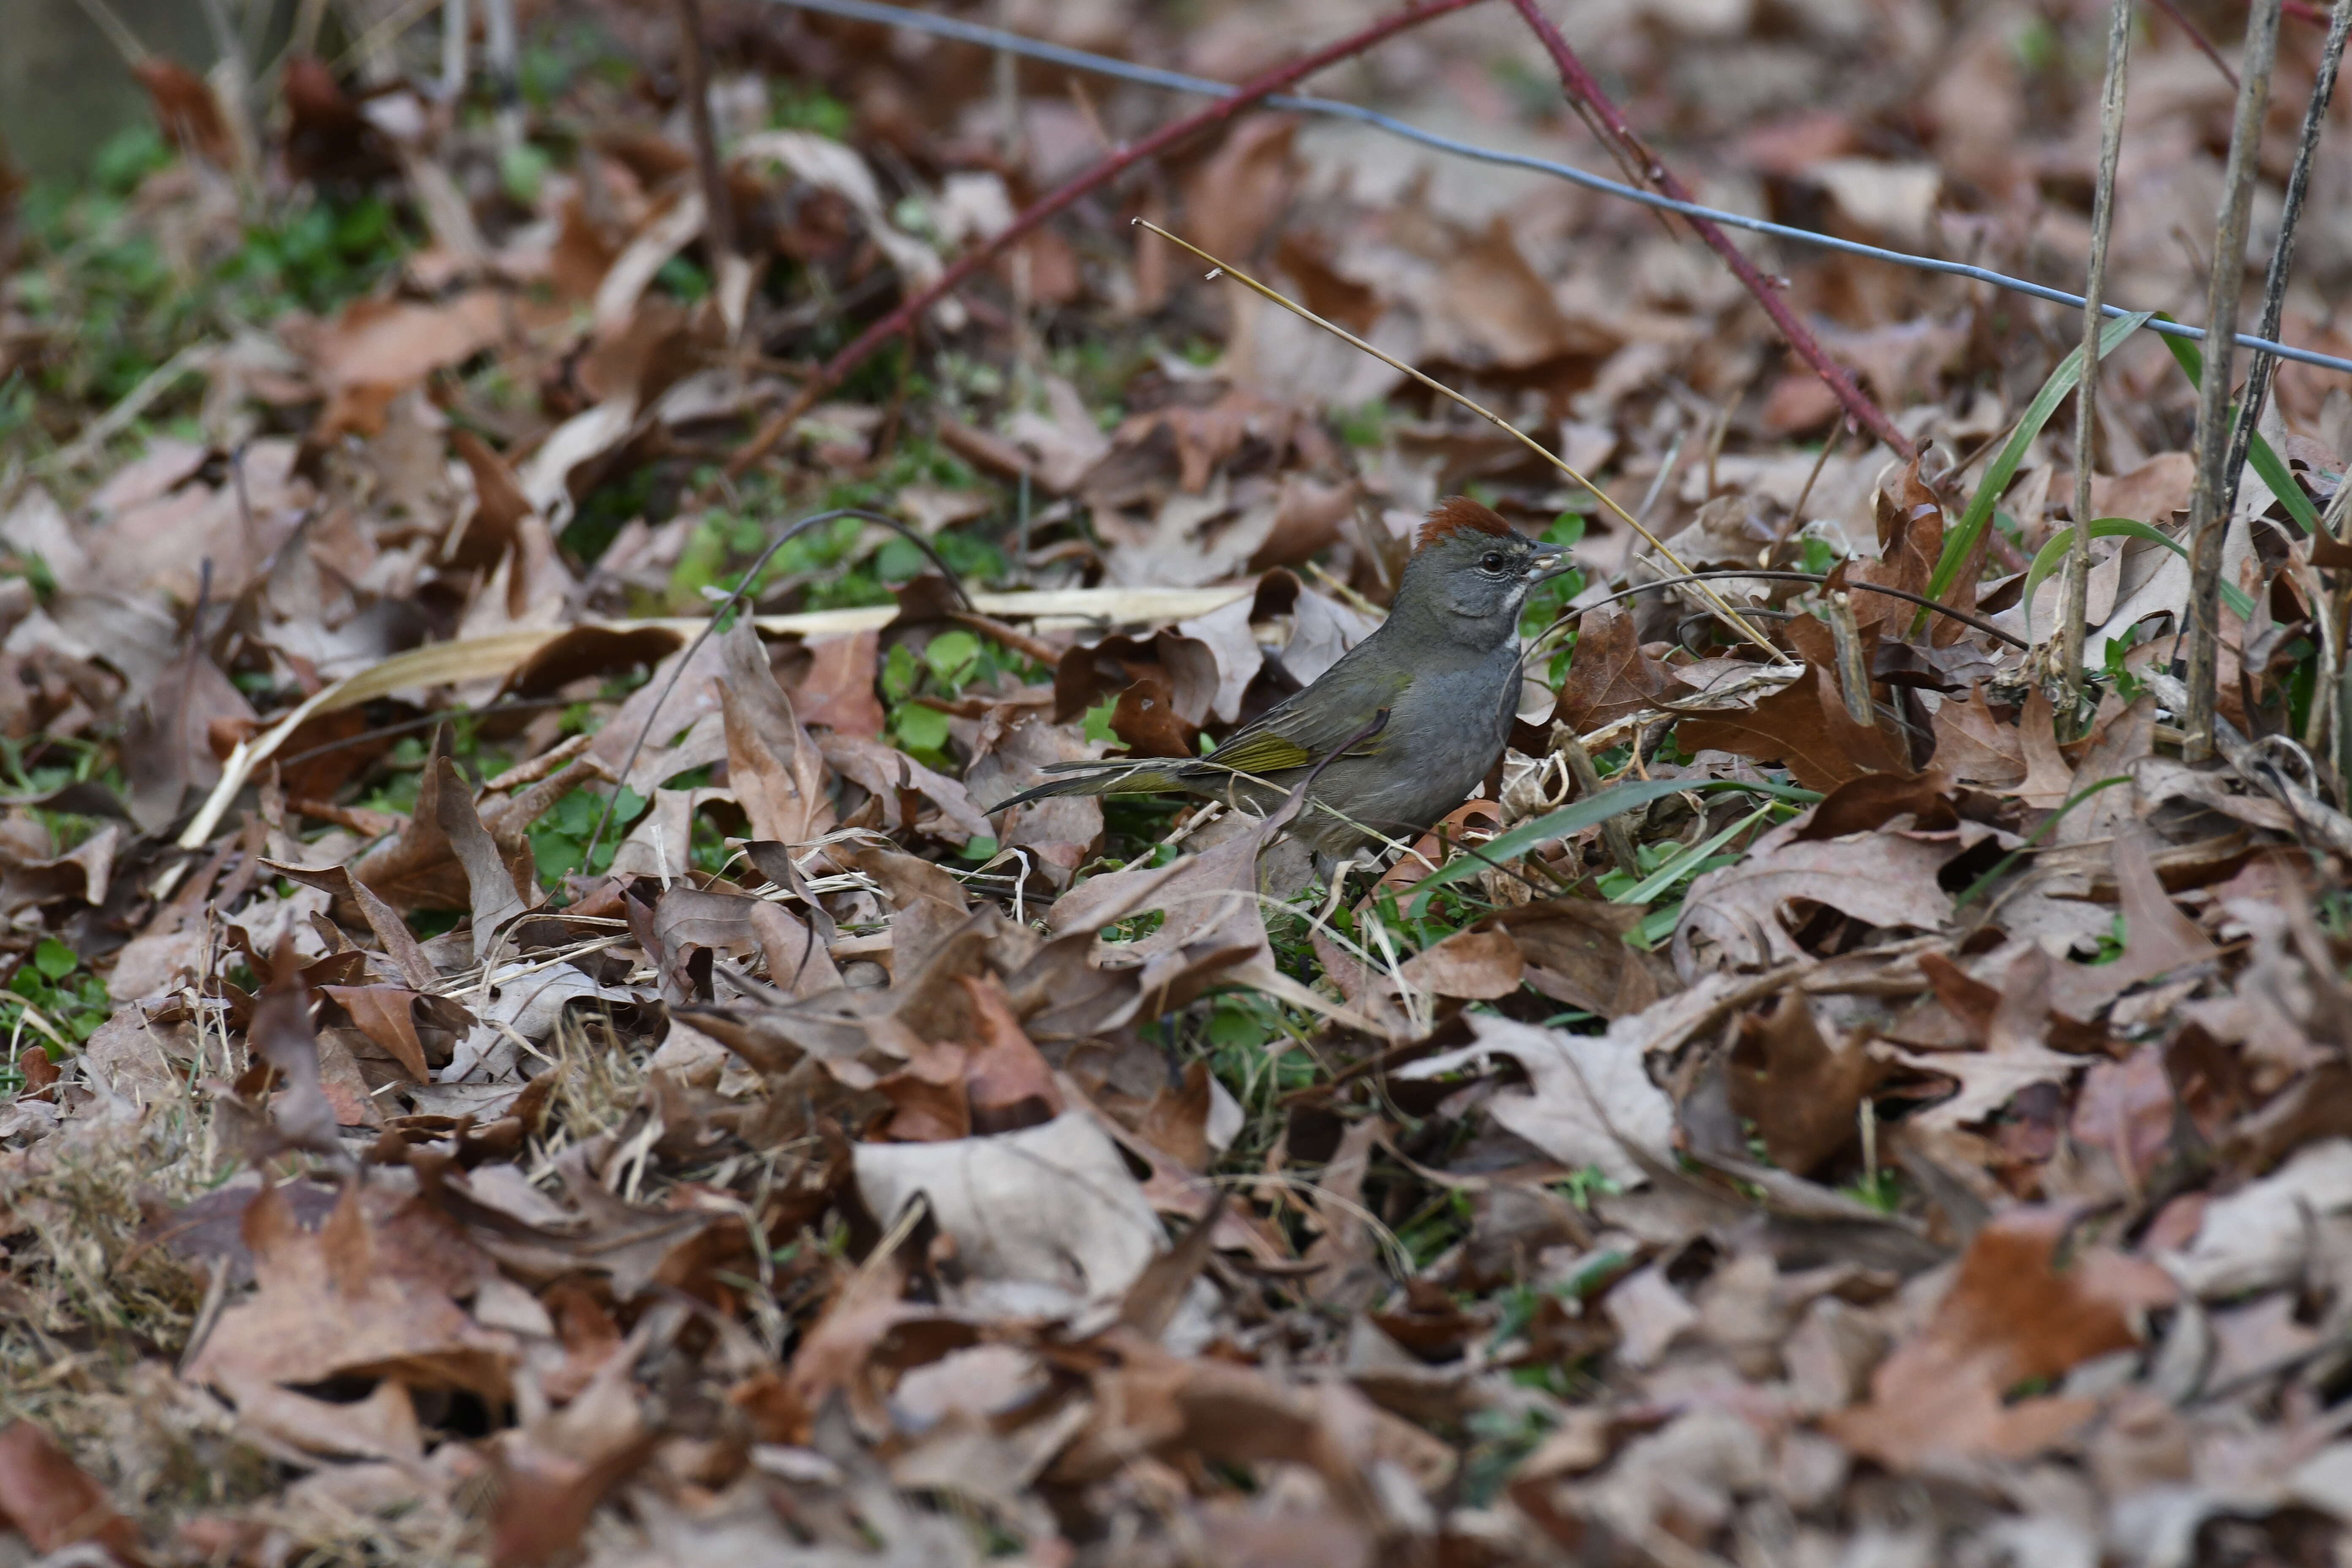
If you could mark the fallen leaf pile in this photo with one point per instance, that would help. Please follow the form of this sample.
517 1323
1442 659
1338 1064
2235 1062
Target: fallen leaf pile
526 1046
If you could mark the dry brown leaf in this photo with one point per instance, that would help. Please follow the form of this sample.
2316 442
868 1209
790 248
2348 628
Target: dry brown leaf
387 1015
2049 777
189 113
890 776
1041 1216
1799 1086
2012 1313
52 1502
1885 879
1805 725
374 348
1236 193
772 764
1476 964
167 744
838 692
926 905
1610 676
2014 1056
1577 954
1009 1084
347 1301
1974 747
1587 1099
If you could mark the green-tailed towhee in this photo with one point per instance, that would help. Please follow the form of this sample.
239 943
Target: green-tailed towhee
1443 668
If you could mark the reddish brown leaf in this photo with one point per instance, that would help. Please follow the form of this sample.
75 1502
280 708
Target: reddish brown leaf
1146 722
2014 1311
1610 676
1799 1086
1805 725
1008 1083
51 1502
189 114
387 1015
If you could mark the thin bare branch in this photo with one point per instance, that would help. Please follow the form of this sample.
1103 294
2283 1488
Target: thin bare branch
1618 135
911 308
2197 36
2208 516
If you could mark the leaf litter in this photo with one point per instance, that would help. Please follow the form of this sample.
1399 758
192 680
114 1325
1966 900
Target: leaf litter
496 1075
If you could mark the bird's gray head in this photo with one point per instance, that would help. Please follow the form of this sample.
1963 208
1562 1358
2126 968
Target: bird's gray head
1470 573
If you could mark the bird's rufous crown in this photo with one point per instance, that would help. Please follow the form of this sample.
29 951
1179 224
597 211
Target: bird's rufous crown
1457 514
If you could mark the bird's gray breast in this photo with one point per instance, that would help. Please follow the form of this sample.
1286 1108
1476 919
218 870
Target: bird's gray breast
1443 734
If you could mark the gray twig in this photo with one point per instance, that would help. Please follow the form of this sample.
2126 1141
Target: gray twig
2208 517
2076 609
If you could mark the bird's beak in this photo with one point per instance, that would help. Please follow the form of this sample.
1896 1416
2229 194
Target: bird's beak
1550 561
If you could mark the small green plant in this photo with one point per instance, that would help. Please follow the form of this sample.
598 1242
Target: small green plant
560 834
951 662
1819 554
1580 1187
1500 1437
1441 1222
53 980
1881 1189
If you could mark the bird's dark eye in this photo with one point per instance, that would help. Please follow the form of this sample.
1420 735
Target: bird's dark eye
1492 561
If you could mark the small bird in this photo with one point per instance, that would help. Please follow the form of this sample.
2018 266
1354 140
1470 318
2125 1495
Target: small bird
1426 701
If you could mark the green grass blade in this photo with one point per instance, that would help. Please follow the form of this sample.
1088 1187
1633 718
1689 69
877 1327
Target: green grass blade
1587 813
2053 553
2261 456
1674 870
2000 867
1963 536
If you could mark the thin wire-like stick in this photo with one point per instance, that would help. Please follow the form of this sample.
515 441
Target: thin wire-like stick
2074 608
1778 574
2209 518
2197 37
2262 367
1723 608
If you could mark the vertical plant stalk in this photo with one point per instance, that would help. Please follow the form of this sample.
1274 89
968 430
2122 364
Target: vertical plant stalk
694 66
2335 616
2263 366
502 53
456 22
2209 518
1618 137
1216 112
1853 663
2075 607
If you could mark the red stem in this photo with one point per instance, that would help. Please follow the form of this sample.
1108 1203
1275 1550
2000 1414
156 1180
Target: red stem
1585 94
2197 36
909 310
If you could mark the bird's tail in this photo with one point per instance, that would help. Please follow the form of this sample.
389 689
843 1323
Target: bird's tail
1151 776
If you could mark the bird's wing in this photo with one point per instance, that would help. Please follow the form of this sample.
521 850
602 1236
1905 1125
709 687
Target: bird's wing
1297 732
